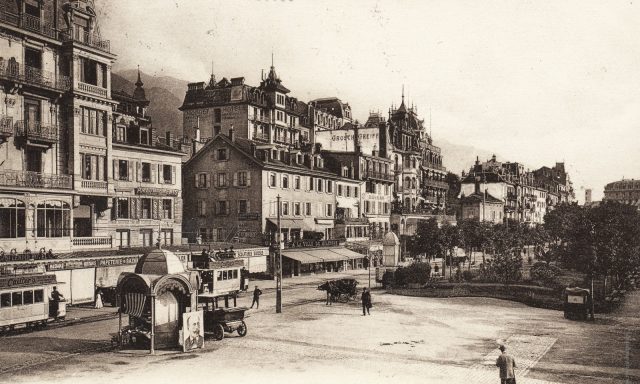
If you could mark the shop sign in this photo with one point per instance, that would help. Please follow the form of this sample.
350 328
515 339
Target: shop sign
93 263
252 252
226 264
156 191
312 243
26 281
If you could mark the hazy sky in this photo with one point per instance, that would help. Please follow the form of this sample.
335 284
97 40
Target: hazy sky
537 82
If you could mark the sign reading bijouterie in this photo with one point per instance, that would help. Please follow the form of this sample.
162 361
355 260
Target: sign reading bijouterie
26 281
156 191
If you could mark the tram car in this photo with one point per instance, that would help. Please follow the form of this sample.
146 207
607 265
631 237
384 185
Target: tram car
25 301
219 276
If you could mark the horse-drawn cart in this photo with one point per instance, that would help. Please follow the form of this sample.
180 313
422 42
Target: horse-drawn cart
342 290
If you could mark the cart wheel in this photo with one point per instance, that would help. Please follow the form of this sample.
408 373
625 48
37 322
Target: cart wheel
242 329
218 332
343 298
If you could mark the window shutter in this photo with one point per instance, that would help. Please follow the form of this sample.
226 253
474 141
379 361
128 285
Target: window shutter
237 206
195 181
114 209
153 173
160 180
208 180
249 178
248 206
138 171
131 175
235 179
155 209
115 169
173 174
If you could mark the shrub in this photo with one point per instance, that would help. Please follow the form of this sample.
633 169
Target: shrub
467 275
416 273
545 273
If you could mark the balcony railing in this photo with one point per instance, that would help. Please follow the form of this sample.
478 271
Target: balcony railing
282 139
34 130
262 119
261 136
93 184
6 126
92 242
429 164
87 38
435 184
34 180
15 71
29 22
90 88
378 175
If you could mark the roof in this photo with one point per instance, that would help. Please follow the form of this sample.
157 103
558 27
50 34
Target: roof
159 262
480 198
320 255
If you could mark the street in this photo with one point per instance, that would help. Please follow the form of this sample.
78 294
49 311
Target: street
405 339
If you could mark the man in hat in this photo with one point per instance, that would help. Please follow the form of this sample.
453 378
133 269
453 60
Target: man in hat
366 301
195 340
506 364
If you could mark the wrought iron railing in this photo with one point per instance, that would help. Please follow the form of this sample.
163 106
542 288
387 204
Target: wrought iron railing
35 180
34 130
6 126
435 183
379 175
28 22
261 136
12 70
432 165
87 38
94 184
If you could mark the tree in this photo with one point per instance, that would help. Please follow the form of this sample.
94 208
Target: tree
471 234
449 239
425 240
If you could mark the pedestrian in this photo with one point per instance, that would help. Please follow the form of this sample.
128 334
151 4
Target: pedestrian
56 297
366 302
99 303
256 297
329 293
506 364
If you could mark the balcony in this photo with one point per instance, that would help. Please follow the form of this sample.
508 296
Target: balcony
94 184
6 127
12 70
429 164
378 175
435 184
282 139
35 180
87 38
35 132
90 88
261 119
28 22
261 136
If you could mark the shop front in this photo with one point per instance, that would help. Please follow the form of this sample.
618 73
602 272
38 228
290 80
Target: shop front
306 261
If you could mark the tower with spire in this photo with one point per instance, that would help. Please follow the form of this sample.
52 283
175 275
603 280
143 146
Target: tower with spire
139 94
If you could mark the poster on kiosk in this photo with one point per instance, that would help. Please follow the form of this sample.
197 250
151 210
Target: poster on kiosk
192 331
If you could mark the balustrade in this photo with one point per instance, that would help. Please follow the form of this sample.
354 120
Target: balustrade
87 38
34 180
90 88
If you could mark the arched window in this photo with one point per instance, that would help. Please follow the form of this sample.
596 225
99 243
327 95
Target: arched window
12 218
407 182
53 219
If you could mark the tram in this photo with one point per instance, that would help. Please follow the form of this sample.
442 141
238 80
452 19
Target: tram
25 302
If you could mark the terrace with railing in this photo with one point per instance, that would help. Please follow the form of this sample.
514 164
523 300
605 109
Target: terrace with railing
90 88
378 175
12 70
260 136
35 180
35 131
94 40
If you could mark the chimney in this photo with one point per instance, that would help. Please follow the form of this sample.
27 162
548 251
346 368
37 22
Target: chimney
587 196
197 128
231 133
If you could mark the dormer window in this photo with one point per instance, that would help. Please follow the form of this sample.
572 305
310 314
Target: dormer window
145 138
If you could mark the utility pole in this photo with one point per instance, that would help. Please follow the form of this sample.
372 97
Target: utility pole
279 265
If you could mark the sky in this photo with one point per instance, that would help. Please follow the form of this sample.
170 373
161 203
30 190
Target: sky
537 82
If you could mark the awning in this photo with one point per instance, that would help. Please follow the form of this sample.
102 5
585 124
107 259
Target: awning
301 256
351 255
289 223
82 212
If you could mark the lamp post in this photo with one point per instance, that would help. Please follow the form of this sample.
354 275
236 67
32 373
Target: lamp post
279 264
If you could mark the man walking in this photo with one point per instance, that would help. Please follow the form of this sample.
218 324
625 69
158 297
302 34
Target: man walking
506 364
366 301
256 297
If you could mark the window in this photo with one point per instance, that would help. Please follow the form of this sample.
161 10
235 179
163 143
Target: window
147 237
94 122
320 185
285 208
123 170
53 219
121 206
340 190
242 206
202 208
16 298
166 237
285 181
146 172
348 191
329 210
167 174
5 300
296 183
146 208
242 179
202 180
217 115
38 296
27 297
272 180
12 218
167 209
222 154
296 209
121 133
222 207
307 209
311 183
329 186
221 180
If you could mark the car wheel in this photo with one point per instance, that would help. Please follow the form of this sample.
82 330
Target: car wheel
242 329
218 332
